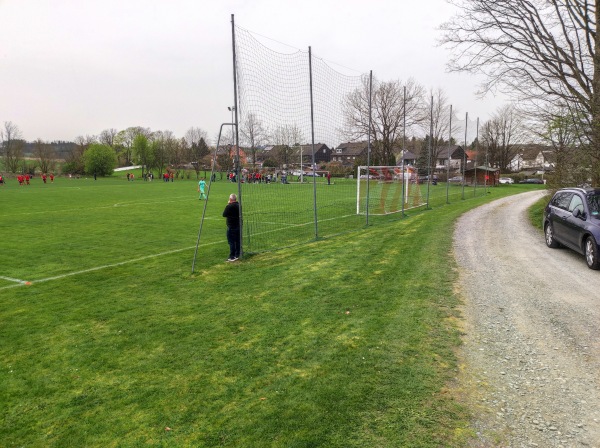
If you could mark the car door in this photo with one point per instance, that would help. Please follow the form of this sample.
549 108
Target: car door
574 225
559 213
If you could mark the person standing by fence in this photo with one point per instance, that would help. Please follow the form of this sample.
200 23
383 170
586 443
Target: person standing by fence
232 214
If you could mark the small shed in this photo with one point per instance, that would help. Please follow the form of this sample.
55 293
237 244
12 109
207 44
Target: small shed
482 175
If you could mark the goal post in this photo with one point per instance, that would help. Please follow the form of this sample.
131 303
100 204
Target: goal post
392 189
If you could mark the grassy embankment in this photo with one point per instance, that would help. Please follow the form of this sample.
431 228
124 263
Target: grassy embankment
347 341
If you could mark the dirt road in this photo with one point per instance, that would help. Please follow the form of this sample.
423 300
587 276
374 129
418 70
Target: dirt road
530 364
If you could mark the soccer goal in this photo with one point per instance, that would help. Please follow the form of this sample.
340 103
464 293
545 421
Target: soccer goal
390 189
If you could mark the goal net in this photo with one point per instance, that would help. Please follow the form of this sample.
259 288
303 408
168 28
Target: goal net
387 189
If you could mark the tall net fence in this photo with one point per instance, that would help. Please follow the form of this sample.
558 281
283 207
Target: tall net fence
286 197
291 108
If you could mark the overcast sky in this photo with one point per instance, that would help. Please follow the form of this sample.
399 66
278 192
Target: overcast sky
76 67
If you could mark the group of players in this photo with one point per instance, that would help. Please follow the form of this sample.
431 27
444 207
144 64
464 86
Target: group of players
25 179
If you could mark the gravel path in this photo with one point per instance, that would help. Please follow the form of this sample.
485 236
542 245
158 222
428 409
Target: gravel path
530 363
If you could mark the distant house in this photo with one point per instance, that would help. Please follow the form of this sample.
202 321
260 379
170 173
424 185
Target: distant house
276 153
533 157
322 154
452 155
407 157
347 153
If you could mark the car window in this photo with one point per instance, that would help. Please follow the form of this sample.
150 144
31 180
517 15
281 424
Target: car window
576 202
594 205
562 199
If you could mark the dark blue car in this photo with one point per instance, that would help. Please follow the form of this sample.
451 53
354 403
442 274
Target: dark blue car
572 219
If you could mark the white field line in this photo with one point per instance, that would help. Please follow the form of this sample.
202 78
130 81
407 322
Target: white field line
10 279
134 260
98 268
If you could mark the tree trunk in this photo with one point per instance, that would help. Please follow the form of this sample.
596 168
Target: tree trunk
595 137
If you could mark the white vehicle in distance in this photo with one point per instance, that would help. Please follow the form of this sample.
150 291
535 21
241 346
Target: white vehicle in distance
506 180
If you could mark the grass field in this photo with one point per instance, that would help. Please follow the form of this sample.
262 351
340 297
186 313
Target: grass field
346 341
277 215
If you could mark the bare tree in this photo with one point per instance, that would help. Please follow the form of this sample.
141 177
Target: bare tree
196 139
194 134
74 160
172 149
165 148
287 138
541 52
225 161
181 152
107 137
502 135
560 130
388 115
253 134
437 125
45 155
12 146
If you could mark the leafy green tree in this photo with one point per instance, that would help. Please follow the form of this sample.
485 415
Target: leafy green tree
143 152
424 159
74 163
99 159
123 142
158 148
198 148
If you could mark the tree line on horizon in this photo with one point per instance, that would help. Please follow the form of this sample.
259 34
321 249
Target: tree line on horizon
155 150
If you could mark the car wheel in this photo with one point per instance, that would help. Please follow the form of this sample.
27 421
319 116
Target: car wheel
591 253
550 241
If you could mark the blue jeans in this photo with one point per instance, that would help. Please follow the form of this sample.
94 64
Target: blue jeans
233 238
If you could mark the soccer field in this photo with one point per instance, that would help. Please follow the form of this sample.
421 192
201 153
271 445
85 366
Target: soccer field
73 225
116 343
76 225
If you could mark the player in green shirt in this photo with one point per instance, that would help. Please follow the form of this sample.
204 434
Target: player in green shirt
201 187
